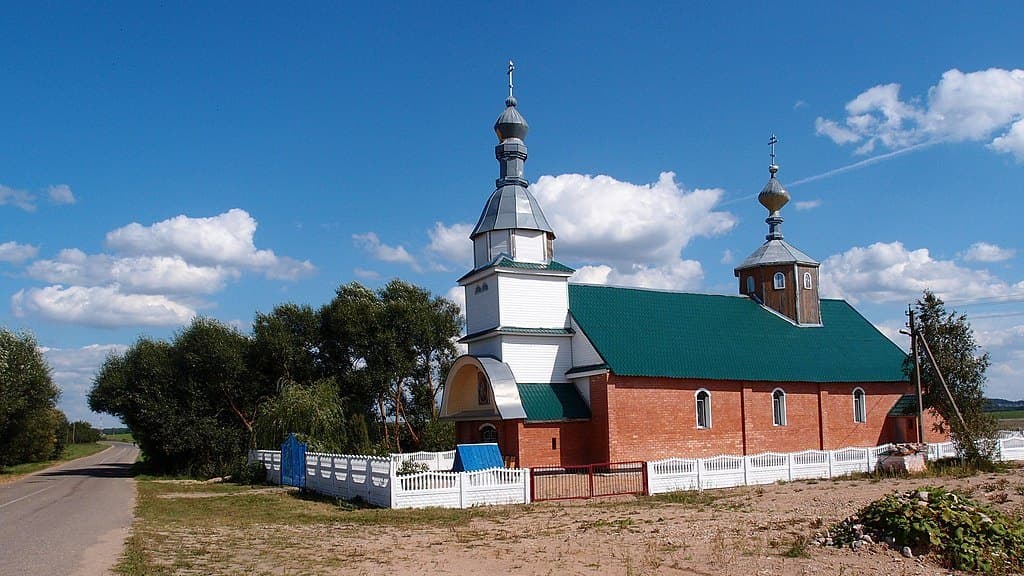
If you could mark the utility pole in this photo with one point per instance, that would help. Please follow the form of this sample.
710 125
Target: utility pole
917 375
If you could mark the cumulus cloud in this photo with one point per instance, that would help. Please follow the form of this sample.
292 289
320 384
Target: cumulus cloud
15 253
60 194
452 242
679 275
970 106
888 272
100 306
140 274
371 243
985 252
225 239
623 233
154 274
20 198
366 274
73 370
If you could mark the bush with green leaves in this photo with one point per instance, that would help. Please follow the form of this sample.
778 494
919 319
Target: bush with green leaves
960 532
412 467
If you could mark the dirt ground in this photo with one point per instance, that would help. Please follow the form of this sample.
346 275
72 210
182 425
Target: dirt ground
743 531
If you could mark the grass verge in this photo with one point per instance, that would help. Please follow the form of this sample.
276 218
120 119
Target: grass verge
126 437
71 452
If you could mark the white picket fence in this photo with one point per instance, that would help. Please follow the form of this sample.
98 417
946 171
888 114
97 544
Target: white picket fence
375 480
435 461
674 474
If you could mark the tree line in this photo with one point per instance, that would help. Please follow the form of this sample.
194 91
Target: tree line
360 374
32 429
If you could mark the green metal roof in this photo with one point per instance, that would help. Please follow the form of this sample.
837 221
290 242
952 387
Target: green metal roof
905 406
552 402
678 335
552 265
503 261
518 330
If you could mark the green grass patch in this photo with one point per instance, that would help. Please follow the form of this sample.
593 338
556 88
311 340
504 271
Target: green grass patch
71 452
125 437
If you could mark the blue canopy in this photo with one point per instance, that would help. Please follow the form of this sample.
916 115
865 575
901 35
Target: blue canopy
472 457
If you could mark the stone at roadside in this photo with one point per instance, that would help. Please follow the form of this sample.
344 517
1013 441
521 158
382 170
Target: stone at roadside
906 552
867 539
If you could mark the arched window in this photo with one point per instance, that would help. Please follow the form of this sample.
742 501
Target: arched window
779 281
807 281
860 412
483 396
750 284
703 408
489 434
779 407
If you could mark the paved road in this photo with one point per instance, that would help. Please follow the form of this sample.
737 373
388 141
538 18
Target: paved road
71 519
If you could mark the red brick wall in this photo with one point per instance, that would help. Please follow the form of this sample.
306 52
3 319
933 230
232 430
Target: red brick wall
653 418
553 443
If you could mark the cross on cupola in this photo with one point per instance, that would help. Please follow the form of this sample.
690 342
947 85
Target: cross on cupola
777 275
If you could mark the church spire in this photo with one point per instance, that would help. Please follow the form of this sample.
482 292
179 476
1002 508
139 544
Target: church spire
773 196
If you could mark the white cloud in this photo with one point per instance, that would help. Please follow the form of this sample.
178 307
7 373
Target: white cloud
799 104
225 239
73 370
679 275
101 306
985 252
15 253
804 205
371 243
601 219
623 233
888 272
452 242
20 198
141 274
60 194
961 107
727 257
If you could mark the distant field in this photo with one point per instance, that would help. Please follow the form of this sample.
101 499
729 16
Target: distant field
1009 415
126 437
72 452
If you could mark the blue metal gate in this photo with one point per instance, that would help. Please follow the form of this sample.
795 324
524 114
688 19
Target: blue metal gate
293 462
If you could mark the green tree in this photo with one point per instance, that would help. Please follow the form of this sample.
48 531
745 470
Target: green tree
963 364
28 417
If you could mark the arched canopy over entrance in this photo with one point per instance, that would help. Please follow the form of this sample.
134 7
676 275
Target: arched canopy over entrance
481 388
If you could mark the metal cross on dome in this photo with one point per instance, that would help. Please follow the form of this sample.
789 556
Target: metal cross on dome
511 68
772 142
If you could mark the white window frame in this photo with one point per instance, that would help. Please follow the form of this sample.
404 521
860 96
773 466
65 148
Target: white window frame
707 408
860 413
490 426
808 283
779 281
779 412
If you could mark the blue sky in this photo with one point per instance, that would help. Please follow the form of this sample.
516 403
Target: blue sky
163 161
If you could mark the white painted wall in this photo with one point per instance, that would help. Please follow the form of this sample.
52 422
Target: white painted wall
536 359
486 347
533 301
583 352
482 304
529 246
583 387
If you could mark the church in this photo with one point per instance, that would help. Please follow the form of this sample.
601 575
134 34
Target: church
562 374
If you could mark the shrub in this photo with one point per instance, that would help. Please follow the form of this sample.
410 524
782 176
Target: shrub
963 534
411 467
